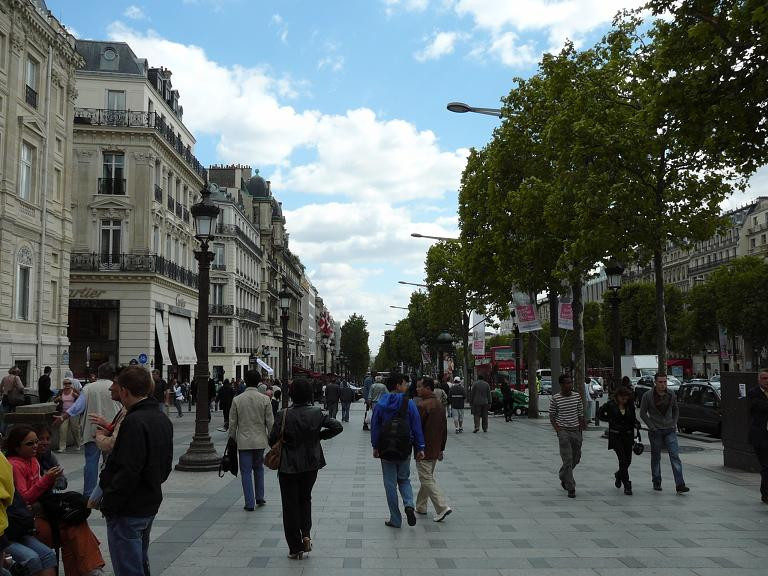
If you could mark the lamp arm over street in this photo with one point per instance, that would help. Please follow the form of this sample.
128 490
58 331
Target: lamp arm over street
461 108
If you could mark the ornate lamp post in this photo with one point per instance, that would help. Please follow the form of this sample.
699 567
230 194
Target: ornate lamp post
614 271
333 354
285 306
324 345
444 342
342 363
201 456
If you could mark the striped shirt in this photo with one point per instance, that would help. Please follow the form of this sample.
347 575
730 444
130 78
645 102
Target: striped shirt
566 411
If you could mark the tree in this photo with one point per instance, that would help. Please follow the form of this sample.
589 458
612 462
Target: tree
638 316
354 345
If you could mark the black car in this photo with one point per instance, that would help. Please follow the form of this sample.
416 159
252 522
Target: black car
643 385
700 409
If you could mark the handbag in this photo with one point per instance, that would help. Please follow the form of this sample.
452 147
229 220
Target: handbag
229 459
65 508
637 446
273 457
15 397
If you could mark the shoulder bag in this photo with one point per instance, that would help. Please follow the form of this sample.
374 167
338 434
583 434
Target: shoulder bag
273 457
637 446
229 459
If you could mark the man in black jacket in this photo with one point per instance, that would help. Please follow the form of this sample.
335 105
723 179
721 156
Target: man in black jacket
131 480
44 385
332 396
758 431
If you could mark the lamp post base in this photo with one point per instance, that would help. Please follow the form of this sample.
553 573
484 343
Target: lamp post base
201 456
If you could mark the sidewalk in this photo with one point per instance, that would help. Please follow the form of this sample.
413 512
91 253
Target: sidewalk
510 515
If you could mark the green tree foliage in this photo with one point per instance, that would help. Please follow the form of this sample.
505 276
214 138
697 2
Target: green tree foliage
638 316
399 346
354 345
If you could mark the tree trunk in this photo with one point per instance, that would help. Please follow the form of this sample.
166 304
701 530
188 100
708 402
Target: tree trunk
661 312
579 368
533 365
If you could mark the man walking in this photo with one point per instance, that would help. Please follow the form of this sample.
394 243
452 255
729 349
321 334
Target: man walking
44 385
435 429
378 389
659 411
566 414
480 400
250 422
347 397
160 391
758 431
367 383
95 398
225 396
456 399
395 432
332 393
140 462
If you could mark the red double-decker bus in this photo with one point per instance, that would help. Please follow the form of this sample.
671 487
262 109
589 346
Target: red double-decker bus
500 361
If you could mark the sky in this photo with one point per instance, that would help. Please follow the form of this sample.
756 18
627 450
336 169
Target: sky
341 104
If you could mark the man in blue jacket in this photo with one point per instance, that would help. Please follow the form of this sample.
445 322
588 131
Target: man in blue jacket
395 432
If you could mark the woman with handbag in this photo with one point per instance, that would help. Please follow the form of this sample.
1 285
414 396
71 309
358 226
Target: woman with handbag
12 390
622 424
295 441
81 555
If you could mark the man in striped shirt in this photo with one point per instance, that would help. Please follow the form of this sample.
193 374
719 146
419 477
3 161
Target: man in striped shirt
566 413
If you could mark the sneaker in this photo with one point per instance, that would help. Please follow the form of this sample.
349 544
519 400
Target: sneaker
422 512
476 430
461 429
365 427
247 508
221 429
457 430
440 517
682 489
410 513
390 524
657 487
571 493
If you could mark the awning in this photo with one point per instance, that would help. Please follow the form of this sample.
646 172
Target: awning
265 366
160 331
183 343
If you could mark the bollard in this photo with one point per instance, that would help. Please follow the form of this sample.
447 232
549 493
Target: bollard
597 416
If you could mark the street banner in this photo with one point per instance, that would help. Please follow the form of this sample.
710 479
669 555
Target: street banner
723 336
478 334
425 357
525 313
565 315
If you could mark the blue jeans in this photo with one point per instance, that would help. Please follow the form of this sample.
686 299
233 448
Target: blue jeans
345 411
128 540
91 469
665 437
32 554
397 474
252 469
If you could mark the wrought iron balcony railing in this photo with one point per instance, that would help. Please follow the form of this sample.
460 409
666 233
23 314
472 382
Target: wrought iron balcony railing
222 267
245 314
171 203
137 119
218 349
158 194
147 263
178 210
114 186
31 97
221 309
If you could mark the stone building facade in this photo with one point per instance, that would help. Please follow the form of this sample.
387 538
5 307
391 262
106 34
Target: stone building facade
37 86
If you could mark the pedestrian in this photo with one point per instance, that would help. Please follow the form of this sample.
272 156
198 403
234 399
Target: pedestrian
250 422
160 390
566 414
44 386
395 433
659 411
507 397
45 456
302 427
95 398
619 412
225 396
67 397
367 384
177 395
440 393
435 430
758 430
332 396
457 397
445 386
141 460
347 397
11 390
480 400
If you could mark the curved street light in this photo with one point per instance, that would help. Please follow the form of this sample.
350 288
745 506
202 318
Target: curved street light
462 108
442 238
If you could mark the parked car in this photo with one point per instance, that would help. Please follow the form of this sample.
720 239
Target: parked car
358 391
643 384
595 389
700 409
546 386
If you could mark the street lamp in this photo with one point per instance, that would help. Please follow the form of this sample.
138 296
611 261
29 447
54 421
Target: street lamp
342 362
201 456
285 306
398 307
613 272
461 108
441 238
412 284
444 342
333 354
324 344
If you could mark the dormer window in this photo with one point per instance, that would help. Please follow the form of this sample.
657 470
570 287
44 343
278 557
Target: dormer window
109 59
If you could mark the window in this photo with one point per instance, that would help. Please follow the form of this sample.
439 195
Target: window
218 337
218 254
59 145
32 69
55 258
115 100
113 174
167 247
751 242
150 106
22 292
762 239
54 300
60 100
3 49
26 171
156 240
111 236
217 293
57 184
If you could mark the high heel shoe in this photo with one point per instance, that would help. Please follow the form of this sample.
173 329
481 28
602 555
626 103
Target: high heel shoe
307 544
296 555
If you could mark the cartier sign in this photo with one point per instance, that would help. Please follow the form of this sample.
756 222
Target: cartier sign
87 293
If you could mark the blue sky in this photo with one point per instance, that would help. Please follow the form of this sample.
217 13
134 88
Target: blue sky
341 104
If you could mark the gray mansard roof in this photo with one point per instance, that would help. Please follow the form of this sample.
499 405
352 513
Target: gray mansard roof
119 57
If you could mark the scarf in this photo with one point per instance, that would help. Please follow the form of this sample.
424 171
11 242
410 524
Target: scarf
662 402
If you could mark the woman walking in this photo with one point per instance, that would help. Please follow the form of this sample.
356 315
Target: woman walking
622 423
302 457
65 400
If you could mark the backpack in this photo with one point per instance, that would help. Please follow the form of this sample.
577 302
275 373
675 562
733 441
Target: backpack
395 435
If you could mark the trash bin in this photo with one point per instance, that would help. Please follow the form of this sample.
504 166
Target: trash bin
737 451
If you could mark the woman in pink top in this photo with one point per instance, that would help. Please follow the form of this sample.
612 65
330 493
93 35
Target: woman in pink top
65 399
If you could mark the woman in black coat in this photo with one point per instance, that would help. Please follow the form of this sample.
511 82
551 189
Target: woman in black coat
301 458
622 423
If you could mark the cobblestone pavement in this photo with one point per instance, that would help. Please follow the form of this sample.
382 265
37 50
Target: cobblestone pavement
510 515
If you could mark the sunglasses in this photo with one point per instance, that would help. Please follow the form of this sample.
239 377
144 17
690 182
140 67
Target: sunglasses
31 443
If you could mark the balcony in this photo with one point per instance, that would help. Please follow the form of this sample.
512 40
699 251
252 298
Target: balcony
249 315
218 349
221 309
158 194
171 203
115 186
219 267
178 209
134 263
31 97
185 214
134 119
233 230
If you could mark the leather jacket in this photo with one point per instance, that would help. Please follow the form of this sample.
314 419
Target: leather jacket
305 426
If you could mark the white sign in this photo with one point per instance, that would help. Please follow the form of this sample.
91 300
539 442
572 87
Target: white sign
525 313
742 390
478 334
565 316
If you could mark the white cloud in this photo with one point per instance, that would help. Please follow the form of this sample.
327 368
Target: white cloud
511 53
410 5
439 45
334 63
758 186
134 13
